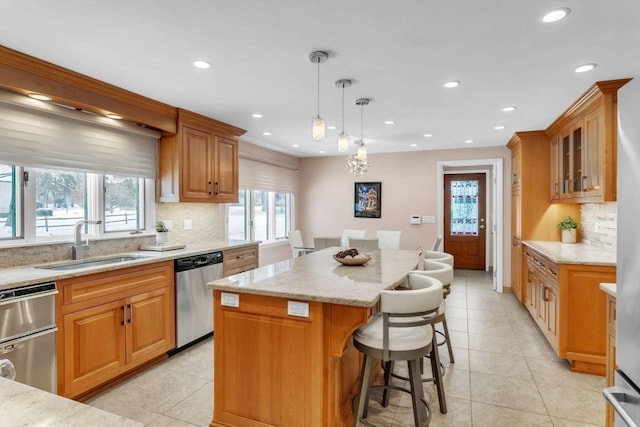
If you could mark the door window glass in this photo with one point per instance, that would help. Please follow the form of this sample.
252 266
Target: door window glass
464 208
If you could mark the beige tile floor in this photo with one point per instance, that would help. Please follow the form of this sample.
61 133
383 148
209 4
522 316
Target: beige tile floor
505 374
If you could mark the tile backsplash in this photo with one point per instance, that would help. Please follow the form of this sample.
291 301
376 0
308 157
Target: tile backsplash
598 222
203 216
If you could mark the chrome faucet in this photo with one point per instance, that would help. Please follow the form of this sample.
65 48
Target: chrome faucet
77 249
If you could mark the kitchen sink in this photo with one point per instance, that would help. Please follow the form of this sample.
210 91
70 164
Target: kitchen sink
92 263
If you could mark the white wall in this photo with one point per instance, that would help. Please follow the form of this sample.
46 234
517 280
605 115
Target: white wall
409 187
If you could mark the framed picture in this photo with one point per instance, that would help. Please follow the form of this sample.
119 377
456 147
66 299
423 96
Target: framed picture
368 200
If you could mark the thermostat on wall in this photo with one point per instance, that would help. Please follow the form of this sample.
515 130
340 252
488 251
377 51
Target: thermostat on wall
415 219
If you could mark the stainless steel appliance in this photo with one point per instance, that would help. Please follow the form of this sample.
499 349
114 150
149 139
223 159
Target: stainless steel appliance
194 300
625 395
28 333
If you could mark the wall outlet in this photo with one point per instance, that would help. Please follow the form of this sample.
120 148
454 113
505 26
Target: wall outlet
230 300
427 219
297 308
188 224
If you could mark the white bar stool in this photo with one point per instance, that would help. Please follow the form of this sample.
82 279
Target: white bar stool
400 331
444 273
421 281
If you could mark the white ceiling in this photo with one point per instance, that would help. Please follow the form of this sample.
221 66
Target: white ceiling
399 53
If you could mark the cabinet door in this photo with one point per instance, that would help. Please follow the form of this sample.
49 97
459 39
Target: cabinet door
529 290
593 177
226 170
149 319
555 169
516 166
197 166
516 245
553 318
94 346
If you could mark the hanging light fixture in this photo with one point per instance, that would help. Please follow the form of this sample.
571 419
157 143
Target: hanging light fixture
318 125
359 164
343 138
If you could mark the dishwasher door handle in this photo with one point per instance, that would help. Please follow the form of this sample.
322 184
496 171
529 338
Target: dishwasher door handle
11 347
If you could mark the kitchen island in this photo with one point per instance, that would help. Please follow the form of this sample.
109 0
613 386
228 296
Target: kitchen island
282 346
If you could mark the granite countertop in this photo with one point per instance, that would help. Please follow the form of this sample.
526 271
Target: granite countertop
609 288
318 277
572 253
31 274
23 405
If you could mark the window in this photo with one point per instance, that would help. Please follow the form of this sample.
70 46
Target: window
259 215
60 201
51 202
10 202
123 203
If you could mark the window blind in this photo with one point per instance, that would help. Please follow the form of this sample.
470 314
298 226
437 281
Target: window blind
40 134
263 176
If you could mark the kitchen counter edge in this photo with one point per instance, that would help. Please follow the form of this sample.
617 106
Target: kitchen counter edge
21 404
14 277
572 253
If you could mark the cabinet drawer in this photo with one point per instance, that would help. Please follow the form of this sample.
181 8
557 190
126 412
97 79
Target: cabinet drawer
102 287
239 260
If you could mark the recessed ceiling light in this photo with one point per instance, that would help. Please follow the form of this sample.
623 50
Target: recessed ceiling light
427 135
322 151
256 115
199 63
556 15
389 122
468 141
585 67
413 145
499 127
452 84
296 145
114 116
512 108
40 97
331 127
266 133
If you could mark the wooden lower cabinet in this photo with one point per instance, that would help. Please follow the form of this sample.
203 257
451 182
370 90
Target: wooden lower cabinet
570 310
273 369
128 322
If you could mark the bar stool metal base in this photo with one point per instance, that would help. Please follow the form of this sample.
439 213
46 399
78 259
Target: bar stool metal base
421 409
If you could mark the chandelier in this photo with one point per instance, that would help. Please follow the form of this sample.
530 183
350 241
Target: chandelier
358 164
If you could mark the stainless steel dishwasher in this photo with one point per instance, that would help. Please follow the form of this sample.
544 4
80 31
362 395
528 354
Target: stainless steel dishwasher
194 300
28 333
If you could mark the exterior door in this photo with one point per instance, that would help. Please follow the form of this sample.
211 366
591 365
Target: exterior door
465 222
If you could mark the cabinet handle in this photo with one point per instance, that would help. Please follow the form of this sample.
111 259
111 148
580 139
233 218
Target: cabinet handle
122 312
210 187
545 296
217 188
130 320
556 188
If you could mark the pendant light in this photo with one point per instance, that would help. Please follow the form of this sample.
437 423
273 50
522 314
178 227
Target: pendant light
343 138
318 124
358 164
362 149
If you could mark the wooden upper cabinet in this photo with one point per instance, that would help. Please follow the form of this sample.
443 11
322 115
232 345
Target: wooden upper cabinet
583 147
200 162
